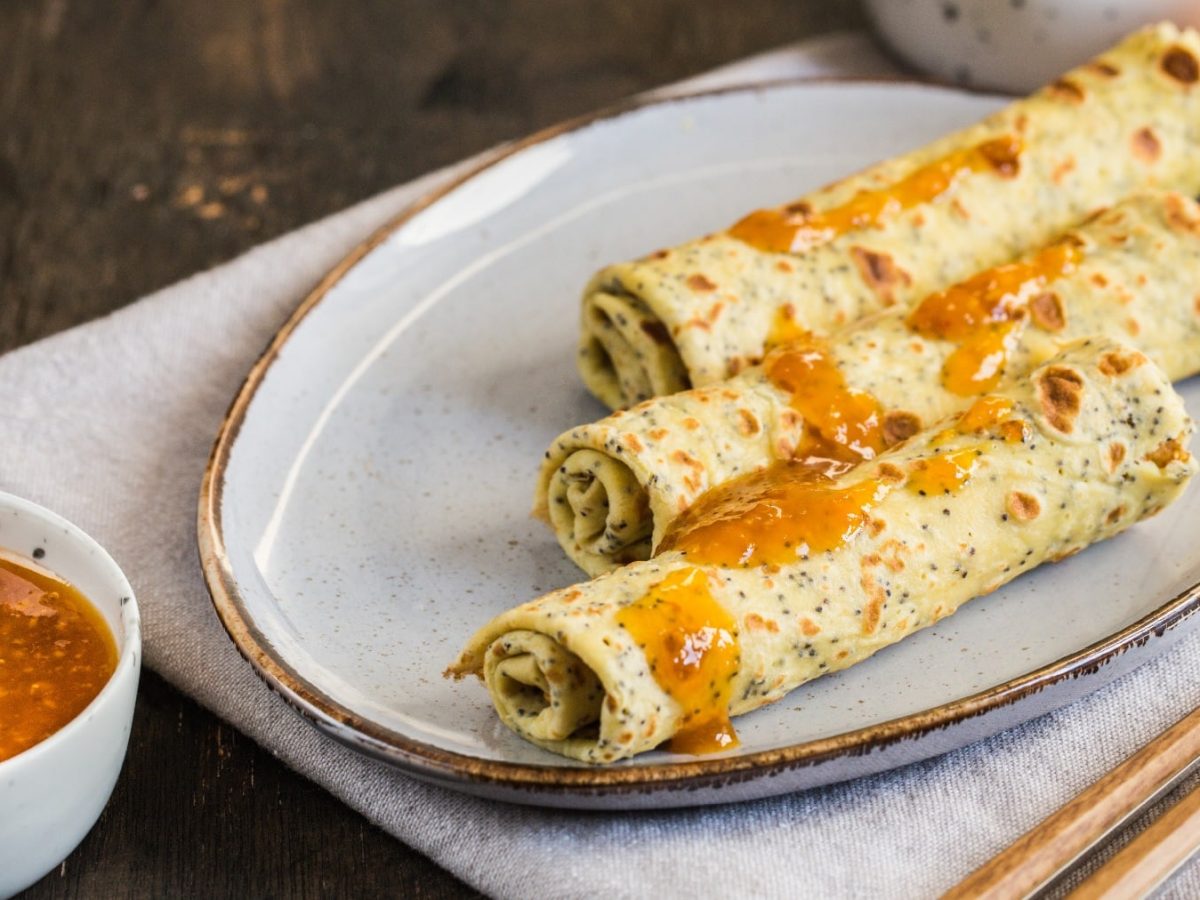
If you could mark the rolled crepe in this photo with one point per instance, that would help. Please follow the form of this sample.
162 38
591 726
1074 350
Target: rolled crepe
612 488
698 313
783 576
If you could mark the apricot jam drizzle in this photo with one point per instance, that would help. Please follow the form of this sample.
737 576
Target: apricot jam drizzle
691 644
841 423
988 414
785 329
56 653
796 228
944 473
984 316
775 516
792 509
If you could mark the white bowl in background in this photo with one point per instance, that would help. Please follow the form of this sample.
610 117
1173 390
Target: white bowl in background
52 794
1013 45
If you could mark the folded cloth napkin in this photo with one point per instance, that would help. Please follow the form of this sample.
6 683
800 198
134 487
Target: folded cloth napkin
111 424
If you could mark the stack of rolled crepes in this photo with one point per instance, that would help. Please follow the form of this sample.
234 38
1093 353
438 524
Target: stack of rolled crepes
612 488
910 387
787 574
698 313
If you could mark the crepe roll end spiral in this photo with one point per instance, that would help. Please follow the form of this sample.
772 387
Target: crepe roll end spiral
626 354
599 511
540 689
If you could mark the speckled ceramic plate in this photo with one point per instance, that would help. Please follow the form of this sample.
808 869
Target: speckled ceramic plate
367 505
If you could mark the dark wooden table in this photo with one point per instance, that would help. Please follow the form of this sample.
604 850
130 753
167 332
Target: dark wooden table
143 141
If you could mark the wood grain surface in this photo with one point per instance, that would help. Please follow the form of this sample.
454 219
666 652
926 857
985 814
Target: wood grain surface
145 140
1032 861
1150 859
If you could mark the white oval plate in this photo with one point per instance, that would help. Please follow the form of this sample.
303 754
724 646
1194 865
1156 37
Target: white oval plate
367 505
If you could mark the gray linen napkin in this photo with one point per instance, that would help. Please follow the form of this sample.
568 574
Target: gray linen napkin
111 424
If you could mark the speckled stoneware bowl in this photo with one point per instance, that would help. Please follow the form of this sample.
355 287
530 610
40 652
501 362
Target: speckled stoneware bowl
52 794
367 504
1013 45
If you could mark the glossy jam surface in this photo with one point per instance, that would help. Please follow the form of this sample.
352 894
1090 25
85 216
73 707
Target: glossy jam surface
691 644
792 510
841 423
785 329
56 653
796 228
988 415
775 516
944 473
984 316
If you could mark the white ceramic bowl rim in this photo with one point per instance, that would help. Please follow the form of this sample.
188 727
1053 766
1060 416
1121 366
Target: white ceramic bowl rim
129 644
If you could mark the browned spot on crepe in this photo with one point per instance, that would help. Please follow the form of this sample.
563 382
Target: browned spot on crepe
754 620
1116 455
1004 158
880 272
1167 452
698 282
1179 64
747 424
876 596
1118 362
892 555
890 474
1047 312
899 425
789 418
1062 170
1182 215
1066 89
1060 391
1146 145
1022 506
682 456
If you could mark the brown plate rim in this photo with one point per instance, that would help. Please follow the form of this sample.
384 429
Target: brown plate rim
446 766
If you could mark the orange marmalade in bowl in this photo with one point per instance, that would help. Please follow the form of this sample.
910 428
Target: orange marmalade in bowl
56 653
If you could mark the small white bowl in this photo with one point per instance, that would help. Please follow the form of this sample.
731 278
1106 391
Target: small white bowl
52 794
1013 45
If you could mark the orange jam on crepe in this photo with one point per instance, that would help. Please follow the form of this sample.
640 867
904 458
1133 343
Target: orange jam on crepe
841 423
691 645
984 315
796 228
775 516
